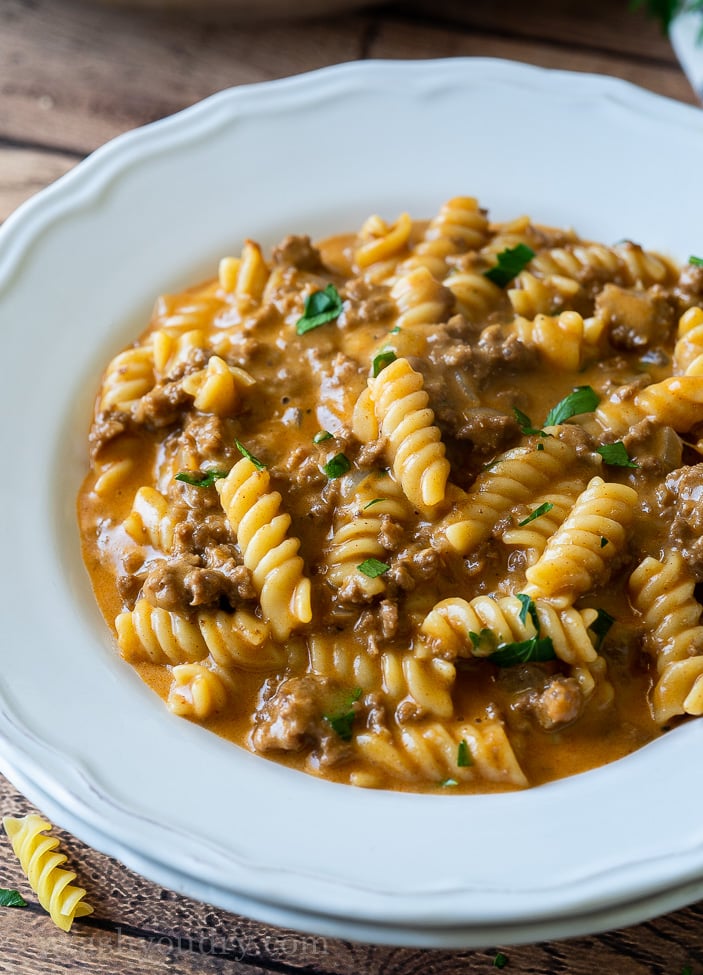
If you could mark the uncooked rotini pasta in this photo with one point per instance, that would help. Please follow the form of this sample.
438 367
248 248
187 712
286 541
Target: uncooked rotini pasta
403 508
43 864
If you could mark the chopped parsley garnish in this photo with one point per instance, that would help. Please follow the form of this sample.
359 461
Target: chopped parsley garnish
524 651
395 330
320 307
600 626
381 360
603 541
687 970
537 513
336 467
321 436
11 898
525 424
616 454
583 399
200 478
464 758
485 642
343 719
258 464
698 261
528 606
448 783
373 568
500 960
372 503
510 262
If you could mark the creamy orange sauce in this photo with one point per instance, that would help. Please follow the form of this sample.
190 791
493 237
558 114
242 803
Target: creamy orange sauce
303 384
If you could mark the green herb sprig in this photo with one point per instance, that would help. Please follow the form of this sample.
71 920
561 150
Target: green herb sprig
342 720
201 479
510 262
11 898
258 464
320 307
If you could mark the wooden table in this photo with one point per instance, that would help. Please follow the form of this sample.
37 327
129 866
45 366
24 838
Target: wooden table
73 75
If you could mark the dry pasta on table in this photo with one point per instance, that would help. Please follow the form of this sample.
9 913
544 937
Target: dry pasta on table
416 507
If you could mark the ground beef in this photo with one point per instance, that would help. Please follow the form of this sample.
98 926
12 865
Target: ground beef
183 583
555 705
299 252
488 431
635 319
293 719
655 448
210 438
689 289
683 495
162 406
105 428
371 454
367 303
377 624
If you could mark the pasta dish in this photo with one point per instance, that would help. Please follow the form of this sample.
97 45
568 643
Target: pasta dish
416 507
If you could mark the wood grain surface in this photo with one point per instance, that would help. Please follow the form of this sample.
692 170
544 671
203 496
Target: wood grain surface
73 75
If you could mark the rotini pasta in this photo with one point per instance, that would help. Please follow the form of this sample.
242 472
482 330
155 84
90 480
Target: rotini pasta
386 508
43 864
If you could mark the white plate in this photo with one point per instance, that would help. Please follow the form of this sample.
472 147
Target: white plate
79 268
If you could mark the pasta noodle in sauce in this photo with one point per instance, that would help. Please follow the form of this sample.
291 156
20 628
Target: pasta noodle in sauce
415 508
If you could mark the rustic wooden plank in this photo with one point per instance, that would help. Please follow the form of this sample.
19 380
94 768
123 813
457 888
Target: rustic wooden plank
600 24
402 39
147 927
25 171
128 68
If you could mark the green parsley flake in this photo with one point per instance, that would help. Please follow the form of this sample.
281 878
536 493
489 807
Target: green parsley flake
320 307
464 758
616 454
583 399
603 541
601 626
523 652
372 503
11 898
698 261
373 568
484 643
537 513
258 464
500 960
200 478
321 436
525 424
337 466
343 719
510 262
528 606
381 360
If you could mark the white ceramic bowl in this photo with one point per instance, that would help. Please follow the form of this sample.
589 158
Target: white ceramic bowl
79 268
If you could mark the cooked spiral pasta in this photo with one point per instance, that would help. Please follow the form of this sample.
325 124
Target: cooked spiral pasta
516 478
246 276
271 556
218 388
459 226
429 752
447 629
129 376
153 520
676 401
197 691
689 343
415 445
531 296
187 311
663 592
381 244
174 350
422 302
475 294
357 537
43 864
532 537
578 555
559 339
